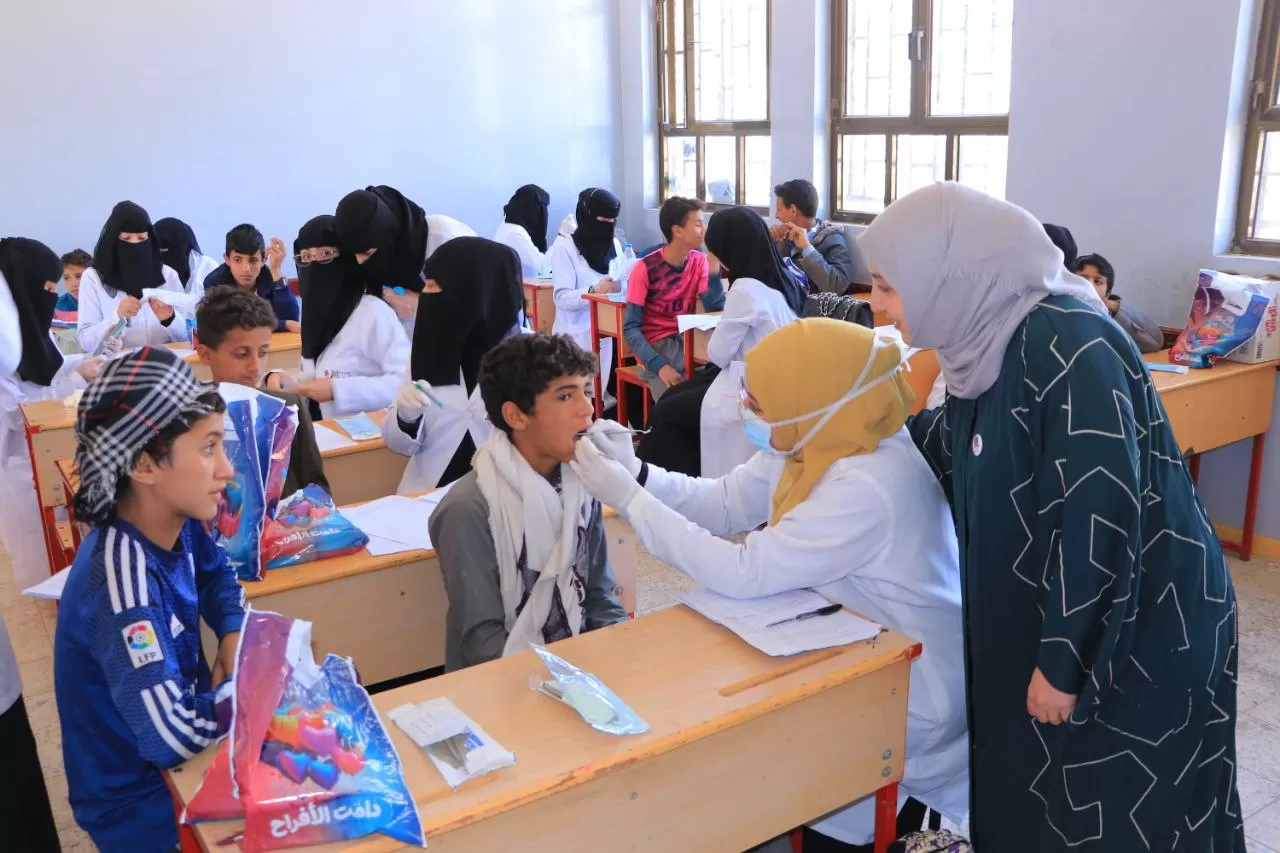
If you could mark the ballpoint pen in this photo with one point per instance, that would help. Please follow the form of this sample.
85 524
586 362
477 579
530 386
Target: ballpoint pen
809 614
621 430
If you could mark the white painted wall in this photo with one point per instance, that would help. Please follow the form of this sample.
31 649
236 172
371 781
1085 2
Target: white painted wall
1125 125
269 112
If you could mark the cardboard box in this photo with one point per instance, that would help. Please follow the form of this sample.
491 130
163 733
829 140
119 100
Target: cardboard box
1265 343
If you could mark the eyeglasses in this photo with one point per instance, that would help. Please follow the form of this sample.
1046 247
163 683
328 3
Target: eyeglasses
320 256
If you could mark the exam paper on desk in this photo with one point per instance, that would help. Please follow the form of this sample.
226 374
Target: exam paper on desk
750 619
328 439
396 524
705 322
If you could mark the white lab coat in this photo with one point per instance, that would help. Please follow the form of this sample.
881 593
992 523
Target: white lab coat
365 360
201 266
874 534
98 314
533 263
752 310
20 525
10 355
441 229
571 275
440 431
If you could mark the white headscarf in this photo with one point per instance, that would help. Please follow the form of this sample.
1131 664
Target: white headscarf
527 514
969 268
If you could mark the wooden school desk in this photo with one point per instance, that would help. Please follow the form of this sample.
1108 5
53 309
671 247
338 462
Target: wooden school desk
386 613
50 433
365 471
285 353
607 317
1217 406
539 302
743 747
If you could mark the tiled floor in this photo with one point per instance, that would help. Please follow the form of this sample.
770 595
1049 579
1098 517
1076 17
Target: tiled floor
31 623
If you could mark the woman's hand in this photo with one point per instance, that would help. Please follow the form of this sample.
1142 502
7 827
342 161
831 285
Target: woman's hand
128 307
163 312
1047 703
405 305
606 285
320 390
89 368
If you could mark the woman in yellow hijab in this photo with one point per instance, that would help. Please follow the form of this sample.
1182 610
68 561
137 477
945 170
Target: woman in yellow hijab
849 508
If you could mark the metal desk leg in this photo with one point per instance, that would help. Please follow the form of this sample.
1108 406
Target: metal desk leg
886 817
1245 546
597 386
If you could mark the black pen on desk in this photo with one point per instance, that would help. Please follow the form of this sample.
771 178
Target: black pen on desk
821 611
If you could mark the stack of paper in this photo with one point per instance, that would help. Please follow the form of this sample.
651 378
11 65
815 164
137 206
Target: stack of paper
327 439
751 619
397 523
456 744
184 302
705 322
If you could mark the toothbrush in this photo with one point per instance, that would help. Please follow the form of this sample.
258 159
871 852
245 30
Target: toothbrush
426 389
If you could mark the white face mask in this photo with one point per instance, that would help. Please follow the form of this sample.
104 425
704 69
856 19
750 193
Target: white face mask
759 431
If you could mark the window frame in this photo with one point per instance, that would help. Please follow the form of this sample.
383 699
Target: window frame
1264 118
918 123
664 67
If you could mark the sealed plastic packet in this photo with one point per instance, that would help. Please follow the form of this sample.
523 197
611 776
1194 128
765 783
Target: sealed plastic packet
1225 315
307 526
310 761
587 695
241 511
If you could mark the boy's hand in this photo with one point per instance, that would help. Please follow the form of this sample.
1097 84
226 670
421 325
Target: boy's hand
669 375
798 236
128 307
224 665
163 312
292 326
275 257
779 231
320 390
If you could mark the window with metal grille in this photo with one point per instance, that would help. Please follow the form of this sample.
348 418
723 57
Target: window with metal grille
713 100
920 93
1258 206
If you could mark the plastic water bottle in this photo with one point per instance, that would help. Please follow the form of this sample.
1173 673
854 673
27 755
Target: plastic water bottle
628 261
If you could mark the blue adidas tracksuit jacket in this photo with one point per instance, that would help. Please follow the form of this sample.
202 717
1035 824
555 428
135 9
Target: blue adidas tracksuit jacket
132 684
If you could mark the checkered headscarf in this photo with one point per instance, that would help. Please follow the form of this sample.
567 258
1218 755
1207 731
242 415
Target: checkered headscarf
128 405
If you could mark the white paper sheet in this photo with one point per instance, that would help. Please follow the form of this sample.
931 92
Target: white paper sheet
750 618
50 588
328 439
396 524
706 322
184 302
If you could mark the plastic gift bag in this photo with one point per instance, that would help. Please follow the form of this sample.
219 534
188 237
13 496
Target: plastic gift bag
1224 316
587 695
307 526
309 762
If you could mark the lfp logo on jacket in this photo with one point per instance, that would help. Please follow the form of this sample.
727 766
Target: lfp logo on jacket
140 638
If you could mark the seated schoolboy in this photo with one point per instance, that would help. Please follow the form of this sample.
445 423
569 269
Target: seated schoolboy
235 335
520 543
135 694
251 264
817 247
662 286
74 263
1098 271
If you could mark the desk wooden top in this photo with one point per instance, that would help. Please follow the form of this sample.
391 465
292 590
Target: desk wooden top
1166 382
280 342
48 415
360 446
539 283
687 677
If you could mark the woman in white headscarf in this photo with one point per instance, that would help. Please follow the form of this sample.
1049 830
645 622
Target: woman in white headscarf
1100 620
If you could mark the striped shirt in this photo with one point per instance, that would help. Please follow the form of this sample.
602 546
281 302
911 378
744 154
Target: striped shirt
132 685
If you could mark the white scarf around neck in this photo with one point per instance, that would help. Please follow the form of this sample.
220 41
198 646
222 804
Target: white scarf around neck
526 511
